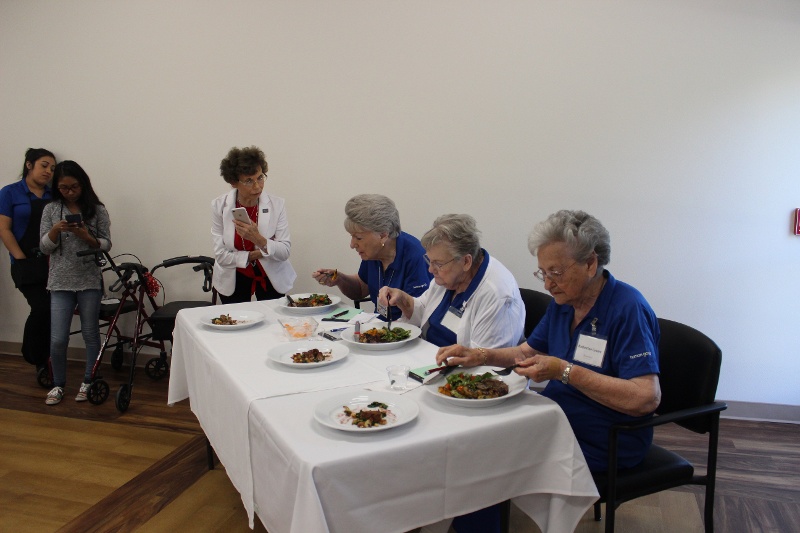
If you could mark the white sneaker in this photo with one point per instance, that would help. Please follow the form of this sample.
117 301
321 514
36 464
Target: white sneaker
54 396
81 397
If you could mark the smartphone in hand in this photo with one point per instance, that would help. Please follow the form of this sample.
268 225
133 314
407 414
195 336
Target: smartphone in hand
240 214
75 219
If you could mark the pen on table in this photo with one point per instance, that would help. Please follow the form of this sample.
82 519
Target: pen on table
335 318
438 369
336 330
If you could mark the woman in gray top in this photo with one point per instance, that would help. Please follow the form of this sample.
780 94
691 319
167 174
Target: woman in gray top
74 221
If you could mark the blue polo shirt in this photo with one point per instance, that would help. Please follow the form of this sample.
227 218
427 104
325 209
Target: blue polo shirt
15 203
438 334
624 318
408 271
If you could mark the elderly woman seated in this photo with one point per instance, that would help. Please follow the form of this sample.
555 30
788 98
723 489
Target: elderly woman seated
597 343
475 300
389 257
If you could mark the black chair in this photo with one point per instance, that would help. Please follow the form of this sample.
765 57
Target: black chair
535 307
364 300
689 363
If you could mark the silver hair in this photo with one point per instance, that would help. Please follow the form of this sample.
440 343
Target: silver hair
373 212
458 233
582 233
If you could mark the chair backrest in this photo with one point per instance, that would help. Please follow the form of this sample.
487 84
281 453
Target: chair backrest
535 307
690 364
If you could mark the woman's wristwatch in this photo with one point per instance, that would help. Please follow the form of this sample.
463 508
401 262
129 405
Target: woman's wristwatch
565 374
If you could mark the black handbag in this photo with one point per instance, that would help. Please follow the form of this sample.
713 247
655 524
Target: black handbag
30 271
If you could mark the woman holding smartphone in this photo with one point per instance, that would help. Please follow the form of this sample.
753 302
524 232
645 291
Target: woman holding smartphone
250 233
76 220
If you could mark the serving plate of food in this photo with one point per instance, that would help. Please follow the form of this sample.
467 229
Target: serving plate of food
377 337
477 387
365 412
234 320
309 303
306 355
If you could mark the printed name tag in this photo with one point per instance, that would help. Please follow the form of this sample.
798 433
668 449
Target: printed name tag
452 319
590 350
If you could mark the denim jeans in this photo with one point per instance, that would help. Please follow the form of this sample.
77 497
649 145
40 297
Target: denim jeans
62 307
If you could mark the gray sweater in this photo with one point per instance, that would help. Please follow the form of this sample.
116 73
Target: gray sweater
68 272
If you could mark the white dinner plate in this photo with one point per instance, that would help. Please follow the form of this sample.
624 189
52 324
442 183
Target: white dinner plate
349 337
282 353
308 310
331 411
244 319
516 384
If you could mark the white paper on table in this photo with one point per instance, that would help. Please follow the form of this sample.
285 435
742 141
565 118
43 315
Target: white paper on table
383 386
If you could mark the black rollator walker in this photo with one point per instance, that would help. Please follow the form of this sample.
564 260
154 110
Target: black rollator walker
136 286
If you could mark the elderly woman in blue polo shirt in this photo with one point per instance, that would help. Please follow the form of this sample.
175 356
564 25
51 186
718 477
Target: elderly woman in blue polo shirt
474 301
389 256
597 344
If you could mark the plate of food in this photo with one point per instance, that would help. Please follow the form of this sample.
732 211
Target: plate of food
233 320
309 303
379 338
366 412
305 355
478 387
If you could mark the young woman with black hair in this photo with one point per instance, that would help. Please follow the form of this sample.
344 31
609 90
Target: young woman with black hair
73 281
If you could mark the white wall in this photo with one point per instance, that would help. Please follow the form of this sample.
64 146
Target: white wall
675 122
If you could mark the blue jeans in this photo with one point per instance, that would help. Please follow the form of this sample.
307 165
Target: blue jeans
62 308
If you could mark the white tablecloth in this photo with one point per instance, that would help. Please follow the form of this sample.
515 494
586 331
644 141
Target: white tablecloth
302 477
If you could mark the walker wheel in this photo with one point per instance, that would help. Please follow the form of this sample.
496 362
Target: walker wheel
98 392
123 398
43 378
117 358
156 368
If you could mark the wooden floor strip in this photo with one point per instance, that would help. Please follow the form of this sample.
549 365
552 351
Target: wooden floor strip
144 496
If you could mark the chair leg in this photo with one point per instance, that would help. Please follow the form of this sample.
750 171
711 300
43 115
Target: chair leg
210 454
610 510
598 515
505 516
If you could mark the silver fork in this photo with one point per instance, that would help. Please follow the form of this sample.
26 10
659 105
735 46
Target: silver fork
506 371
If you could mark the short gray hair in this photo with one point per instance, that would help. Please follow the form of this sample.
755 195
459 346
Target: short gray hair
373 212
582 233
459 233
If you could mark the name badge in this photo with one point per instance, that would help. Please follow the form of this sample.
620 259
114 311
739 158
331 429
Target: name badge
590 350
452 319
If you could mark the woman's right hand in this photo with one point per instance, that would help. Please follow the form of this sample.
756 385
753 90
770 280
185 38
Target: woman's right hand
326 276
58 228
389 296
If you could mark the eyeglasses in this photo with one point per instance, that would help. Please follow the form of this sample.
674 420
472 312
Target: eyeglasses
250 182
436 265
554 275
69 188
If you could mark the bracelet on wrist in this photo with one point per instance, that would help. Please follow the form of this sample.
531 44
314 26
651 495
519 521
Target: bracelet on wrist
484 354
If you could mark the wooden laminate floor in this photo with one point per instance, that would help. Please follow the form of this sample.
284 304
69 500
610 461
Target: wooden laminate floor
81 467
